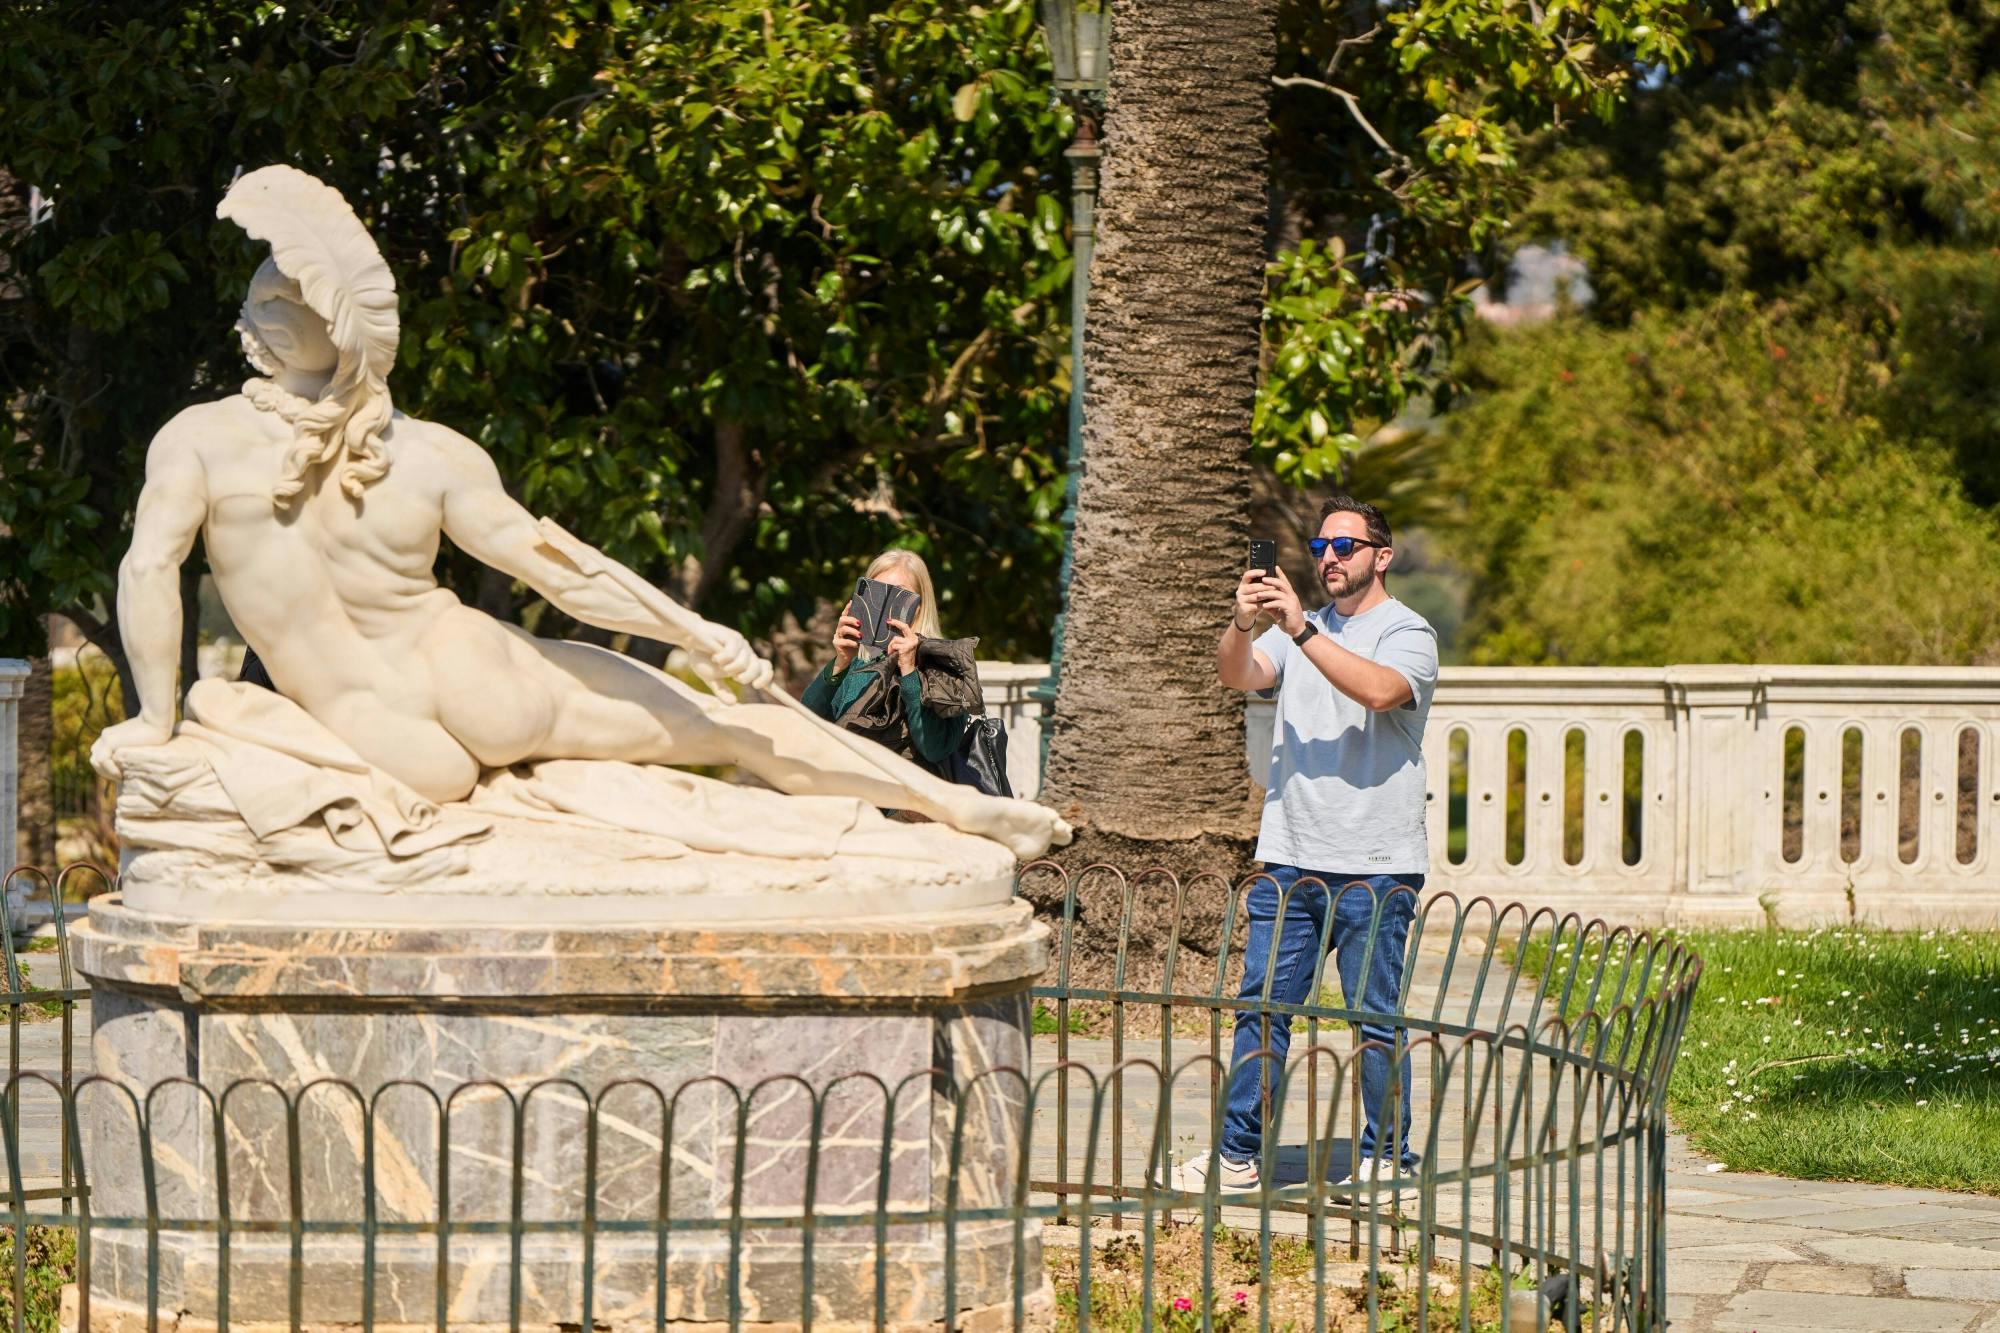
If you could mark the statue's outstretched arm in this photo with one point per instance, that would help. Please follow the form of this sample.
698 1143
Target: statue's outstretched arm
492 527
578 580
172 505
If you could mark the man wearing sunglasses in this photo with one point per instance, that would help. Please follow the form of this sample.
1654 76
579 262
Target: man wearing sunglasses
1343 840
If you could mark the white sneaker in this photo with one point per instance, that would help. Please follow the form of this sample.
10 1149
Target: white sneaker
1371 1170
1191 1176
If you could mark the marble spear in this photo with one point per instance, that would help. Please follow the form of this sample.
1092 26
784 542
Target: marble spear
669 613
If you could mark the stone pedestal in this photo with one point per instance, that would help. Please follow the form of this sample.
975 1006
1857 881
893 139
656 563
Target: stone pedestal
519 1109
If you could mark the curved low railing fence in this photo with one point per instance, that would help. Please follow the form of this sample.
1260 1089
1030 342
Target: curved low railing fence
1531 1050
1518 1070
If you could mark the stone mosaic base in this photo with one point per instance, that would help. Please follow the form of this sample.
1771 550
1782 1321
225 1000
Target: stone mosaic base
625 1288
633 1073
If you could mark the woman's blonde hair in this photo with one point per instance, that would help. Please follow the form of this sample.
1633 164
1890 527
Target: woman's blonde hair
913 564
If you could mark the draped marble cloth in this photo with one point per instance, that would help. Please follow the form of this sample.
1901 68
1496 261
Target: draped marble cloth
250 760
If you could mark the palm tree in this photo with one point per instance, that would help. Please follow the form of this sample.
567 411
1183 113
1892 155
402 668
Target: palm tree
1146 746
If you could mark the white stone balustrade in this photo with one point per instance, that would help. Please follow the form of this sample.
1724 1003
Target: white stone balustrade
1709 791
13 679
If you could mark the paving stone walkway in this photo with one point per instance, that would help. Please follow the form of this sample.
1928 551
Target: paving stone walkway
1763 1254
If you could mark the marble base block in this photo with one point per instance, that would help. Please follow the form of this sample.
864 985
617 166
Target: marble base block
648 1082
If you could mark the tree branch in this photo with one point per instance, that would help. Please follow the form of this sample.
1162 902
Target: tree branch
1353 109
939 398
1340 49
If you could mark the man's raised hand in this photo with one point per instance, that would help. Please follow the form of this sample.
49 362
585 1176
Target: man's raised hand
1277 599
1249 599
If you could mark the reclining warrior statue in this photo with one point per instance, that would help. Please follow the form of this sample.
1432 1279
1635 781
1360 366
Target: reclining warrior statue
321 507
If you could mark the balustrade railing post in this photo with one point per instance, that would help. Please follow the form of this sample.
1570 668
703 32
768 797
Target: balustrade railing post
13 681
1717 782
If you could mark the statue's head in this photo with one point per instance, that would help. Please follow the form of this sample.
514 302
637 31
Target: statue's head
280 331
322 305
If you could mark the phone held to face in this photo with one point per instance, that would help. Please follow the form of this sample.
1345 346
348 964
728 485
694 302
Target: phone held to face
1264 555
876 604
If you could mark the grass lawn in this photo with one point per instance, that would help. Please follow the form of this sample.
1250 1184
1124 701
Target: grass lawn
1845 1054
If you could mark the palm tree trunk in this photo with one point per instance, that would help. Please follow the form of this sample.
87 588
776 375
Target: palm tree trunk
1147 746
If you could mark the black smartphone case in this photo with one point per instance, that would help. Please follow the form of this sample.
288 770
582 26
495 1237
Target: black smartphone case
876 604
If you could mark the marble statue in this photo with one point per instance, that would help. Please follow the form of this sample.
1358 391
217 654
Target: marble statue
321 508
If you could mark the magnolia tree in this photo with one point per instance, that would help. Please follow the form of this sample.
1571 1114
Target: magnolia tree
738 292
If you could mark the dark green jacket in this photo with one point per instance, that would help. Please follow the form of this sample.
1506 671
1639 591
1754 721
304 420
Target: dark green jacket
931 736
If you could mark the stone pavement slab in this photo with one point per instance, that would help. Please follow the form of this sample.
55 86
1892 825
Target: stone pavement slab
1954 1284
1705 1277
1831 1258
1902 1253
1899 1220
1833 1279
1781 1207
1773 1311
1756 1252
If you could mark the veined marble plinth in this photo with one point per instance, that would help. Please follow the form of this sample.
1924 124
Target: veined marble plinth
607 1061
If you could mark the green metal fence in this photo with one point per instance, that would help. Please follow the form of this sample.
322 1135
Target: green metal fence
1531 1049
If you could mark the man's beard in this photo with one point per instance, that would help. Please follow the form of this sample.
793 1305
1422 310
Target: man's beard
1344 582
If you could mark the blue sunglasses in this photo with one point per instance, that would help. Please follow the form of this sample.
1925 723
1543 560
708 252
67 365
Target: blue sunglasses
1342 547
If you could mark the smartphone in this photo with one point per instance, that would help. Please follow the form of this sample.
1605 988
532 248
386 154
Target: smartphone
1264 555
876 604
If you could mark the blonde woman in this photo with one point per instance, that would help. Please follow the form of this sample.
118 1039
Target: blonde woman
917 696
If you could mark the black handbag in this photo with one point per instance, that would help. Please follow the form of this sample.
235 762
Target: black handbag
981 758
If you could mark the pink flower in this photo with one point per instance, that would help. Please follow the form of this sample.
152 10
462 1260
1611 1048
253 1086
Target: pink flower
1183 1303
1239 1296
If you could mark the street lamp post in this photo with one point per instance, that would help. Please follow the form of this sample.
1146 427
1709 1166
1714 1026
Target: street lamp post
1078 33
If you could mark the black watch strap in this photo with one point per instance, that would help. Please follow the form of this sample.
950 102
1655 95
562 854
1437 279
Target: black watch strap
1304 634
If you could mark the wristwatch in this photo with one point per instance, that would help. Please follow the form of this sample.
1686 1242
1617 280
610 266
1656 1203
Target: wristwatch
1304 634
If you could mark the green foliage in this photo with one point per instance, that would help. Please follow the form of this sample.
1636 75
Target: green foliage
1772 434
740 292
1723 493
51 1264
1398 154
83 701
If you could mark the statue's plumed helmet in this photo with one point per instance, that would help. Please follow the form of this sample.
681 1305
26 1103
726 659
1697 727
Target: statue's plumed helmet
269 281
322 256
318 243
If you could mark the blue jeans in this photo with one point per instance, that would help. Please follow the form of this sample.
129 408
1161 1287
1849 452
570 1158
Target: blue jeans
1291 979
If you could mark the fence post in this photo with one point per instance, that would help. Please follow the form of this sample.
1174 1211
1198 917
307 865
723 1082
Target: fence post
1717 711
13 680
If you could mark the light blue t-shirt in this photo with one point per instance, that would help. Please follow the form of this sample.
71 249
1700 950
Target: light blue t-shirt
1347 783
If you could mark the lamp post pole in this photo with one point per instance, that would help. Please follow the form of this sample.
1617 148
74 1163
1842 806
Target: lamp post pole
1078 33
1082 155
